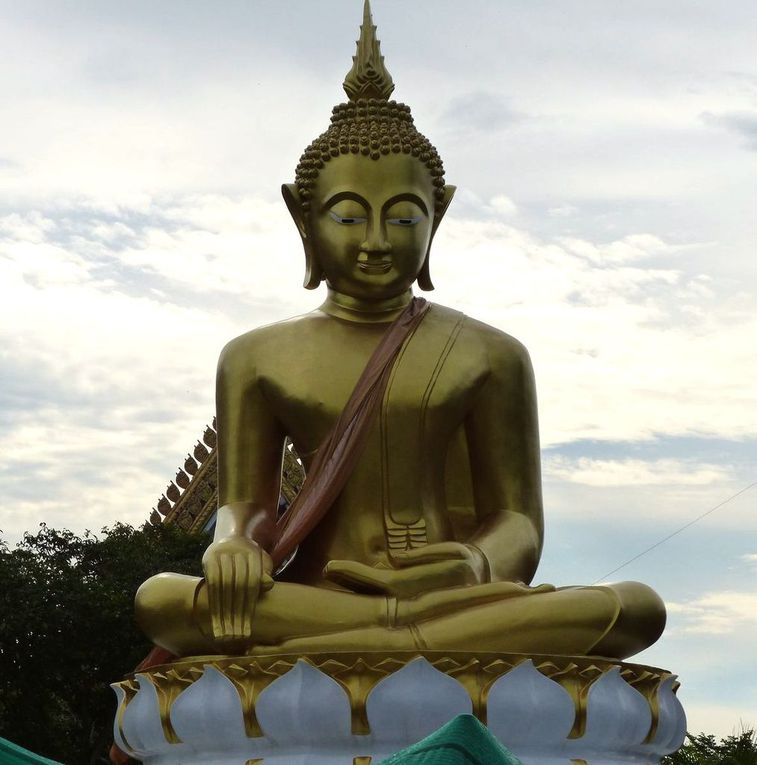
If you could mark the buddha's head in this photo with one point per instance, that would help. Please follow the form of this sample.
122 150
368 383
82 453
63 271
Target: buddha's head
369 193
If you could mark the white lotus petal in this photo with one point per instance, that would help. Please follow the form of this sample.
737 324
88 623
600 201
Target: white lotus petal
527 709
617 714
209 705
671 730
117 738
413 702
304 707
141 724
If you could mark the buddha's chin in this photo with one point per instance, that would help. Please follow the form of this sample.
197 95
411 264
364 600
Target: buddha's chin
375 284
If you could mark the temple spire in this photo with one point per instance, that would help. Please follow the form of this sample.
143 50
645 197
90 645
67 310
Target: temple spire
368 77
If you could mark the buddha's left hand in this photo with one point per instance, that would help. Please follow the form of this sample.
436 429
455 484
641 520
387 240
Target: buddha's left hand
433 567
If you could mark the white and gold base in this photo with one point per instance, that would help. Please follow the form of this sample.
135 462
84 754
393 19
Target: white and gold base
357 709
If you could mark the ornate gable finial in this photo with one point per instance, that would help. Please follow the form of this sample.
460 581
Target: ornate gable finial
368 77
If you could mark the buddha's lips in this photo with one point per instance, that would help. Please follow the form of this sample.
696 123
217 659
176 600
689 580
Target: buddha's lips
381 267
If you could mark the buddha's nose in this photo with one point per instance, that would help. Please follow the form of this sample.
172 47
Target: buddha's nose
375 244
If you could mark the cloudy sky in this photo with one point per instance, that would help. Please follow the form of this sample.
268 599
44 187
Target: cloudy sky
606 156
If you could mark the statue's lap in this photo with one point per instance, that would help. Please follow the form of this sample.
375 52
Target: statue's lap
615 620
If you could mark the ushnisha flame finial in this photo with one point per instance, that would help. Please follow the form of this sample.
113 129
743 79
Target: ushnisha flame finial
368 77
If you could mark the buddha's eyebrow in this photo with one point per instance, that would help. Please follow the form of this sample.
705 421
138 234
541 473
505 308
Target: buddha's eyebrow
406 197
340 195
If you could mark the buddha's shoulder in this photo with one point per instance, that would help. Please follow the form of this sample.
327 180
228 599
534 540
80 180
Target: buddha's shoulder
271 338
500 347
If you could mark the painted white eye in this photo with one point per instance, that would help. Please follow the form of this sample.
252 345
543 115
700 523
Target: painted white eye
404 221
345 221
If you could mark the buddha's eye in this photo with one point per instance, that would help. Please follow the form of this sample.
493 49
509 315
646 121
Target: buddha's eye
404 221
404 213
347 220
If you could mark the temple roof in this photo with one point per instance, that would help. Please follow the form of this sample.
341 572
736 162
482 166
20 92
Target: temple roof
191 498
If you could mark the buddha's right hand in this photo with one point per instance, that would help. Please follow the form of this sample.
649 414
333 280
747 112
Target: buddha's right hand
237 570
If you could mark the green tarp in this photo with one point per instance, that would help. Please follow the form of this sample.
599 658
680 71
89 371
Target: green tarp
12 754
462 741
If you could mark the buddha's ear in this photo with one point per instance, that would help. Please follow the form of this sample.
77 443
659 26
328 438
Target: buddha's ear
313 272
291 196
449 193
424 277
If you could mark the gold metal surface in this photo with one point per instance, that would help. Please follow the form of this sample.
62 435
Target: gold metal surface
440 524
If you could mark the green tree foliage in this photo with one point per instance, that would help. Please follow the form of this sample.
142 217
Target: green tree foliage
737 749
67 630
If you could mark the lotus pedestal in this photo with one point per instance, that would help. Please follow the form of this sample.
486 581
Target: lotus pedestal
358 709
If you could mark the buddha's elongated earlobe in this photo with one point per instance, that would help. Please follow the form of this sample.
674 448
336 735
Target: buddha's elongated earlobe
424 277
313 272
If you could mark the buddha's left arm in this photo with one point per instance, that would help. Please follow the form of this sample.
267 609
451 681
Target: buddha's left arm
503 443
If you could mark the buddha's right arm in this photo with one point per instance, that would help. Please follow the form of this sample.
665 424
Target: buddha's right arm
250 449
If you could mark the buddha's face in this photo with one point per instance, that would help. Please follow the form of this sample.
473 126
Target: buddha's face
371 223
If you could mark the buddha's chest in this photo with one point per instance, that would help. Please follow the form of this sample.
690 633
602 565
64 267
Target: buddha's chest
431 386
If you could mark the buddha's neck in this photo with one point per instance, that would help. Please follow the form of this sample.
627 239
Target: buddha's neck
365 311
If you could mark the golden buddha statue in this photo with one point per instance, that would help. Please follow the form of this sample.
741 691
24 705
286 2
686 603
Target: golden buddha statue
437 529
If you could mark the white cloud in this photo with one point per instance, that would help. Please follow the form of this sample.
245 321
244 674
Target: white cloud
245 246
636 247
716 613
743 123
478 111
634 472
107 374
562 211
720 720
502 205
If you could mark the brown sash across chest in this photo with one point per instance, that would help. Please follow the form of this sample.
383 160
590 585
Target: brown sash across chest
339 453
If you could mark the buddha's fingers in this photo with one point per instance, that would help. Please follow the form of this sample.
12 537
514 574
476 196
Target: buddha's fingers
518 589
245 593
233 590
238 593
429 577
358 576
432 553
236 569
542 588
401 582
227 591
213 581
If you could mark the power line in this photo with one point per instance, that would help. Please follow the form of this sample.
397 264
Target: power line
676 532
